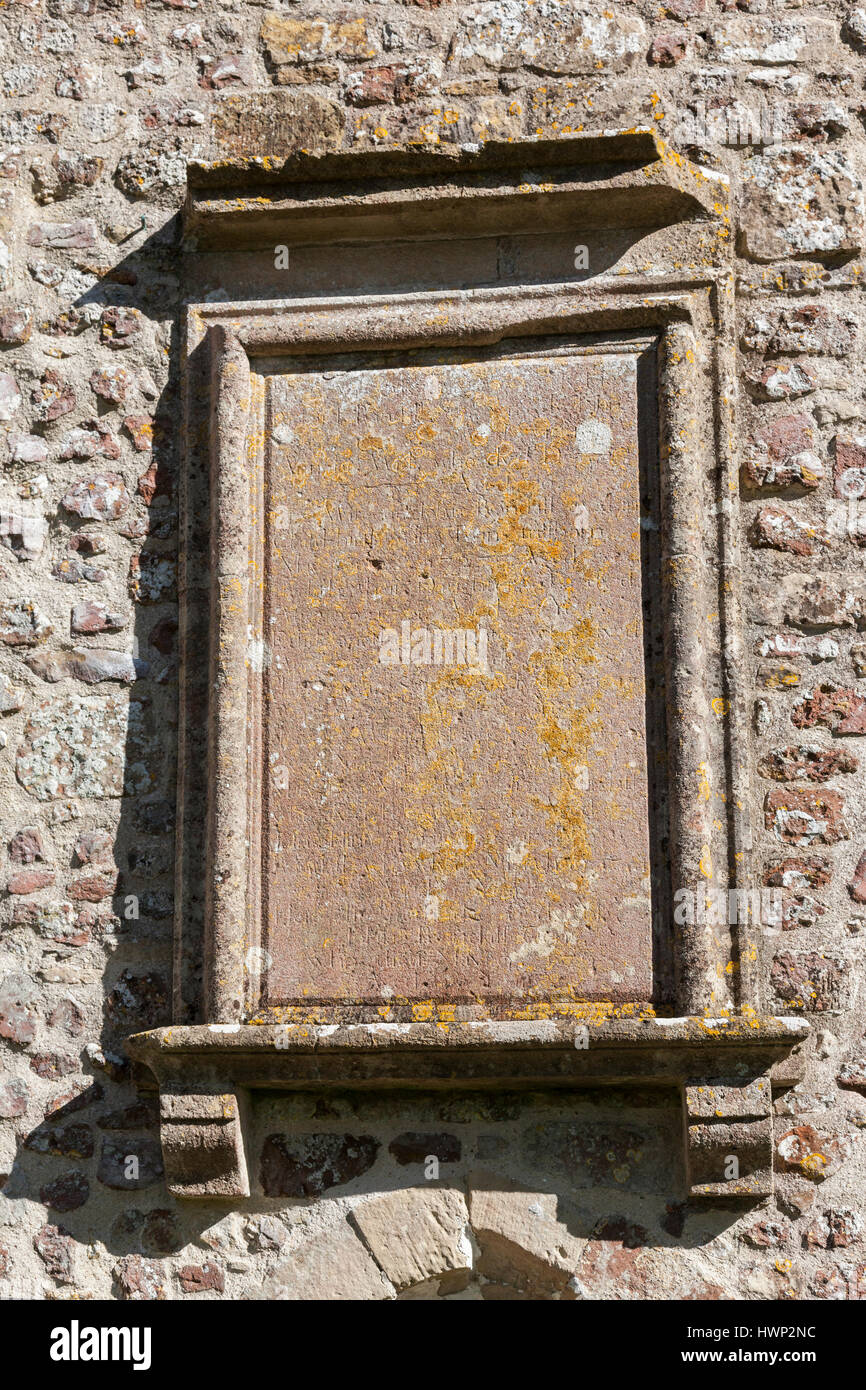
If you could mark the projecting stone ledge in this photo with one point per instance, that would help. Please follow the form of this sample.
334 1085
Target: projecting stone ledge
725 1070
613 178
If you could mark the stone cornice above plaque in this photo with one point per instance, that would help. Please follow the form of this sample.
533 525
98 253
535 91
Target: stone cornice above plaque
588 182
646 334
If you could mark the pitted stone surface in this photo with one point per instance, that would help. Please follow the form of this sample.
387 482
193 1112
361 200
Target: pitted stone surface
333 1267
418 1235
485 790
522 1242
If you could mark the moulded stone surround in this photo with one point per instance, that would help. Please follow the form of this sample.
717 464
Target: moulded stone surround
242 359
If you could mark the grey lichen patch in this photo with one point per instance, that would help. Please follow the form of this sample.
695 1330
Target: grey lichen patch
22 624
509 33
78 747
800 202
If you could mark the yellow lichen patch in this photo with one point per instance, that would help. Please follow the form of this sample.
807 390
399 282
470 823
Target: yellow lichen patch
557 668
704 788
568 746
519 499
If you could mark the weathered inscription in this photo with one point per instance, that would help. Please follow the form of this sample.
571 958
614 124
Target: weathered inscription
456 796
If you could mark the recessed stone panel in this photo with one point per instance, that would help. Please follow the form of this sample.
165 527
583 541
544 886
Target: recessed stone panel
454 694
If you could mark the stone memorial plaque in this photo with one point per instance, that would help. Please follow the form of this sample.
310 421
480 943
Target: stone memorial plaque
453 706
463 714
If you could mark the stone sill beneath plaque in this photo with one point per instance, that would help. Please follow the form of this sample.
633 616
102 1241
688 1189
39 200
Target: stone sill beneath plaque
725 1070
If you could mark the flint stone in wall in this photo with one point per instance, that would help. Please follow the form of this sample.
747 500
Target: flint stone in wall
88 664
306 1165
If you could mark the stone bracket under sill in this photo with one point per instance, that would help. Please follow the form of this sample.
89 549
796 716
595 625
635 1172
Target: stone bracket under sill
725 1071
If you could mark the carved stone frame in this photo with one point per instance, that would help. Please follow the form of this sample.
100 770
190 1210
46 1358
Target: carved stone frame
718 1049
